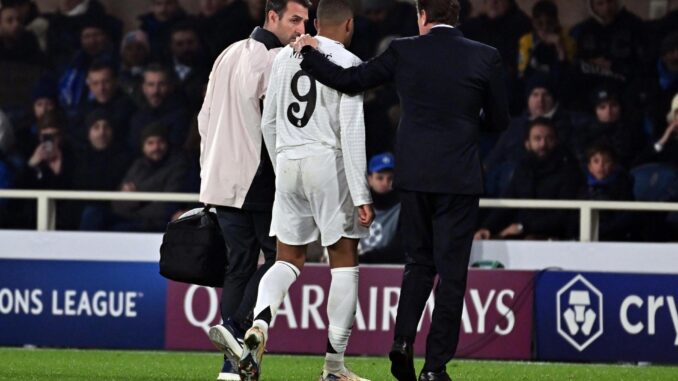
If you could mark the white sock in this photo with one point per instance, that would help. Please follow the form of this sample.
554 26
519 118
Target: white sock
272 290
341 307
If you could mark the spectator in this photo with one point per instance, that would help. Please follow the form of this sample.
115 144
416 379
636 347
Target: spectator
501 25
16 43
607 181
383 244
191 154
611 46
135 53
547 49
156 171
188 58
105 94
51 168
64 37
97 46
158 23
610 127
666 148
548 172
44 100
52 161
31 19
541 103
100 167
655 95
161 104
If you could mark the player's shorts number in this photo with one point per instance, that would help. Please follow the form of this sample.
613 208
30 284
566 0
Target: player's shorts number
308 98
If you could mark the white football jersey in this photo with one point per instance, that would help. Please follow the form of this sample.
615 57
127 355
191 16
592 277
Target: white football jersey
303 117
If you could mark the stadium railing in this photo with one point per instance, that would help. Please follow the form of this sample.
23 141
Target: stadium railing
589 211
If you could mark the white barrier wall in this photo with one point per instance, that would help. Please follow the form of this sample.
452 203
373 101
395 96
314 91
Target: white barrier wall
516 255
654 258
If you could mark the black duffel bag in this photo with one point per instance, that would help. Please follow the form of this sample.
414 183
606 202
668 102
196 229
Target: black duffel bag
193 250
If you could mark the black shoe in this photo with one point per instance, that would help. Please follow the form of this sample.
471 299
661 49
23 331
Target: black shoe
434 376
402 362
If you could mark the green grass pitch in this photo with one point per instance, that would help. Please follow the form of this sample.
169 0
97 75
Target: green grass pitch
71 365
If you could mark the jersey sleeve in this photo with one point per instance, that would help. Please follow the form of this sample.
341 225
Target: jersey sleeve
352 123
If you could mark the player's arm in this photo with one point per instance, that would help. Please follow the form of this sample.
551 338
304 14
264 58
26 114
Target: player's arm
352 80
268 117
352 123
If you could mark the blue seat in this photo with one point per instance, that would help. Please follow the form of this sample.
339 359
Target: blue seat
655 182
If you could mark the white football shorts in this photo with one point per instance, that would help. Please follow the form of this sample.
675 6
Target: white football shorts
312 198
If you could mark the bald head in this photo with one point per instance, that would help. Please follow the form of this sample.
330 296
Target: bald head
334 12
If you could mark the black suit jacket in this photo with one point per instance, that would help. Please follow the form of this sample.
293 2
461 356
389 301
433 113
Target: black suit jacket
444 81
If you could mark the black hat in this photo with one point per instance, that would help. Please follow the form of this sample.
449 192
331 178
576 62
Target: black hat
603 94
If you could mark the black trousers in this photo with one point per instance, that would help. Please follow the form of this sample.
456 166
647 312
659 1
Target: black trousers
437 232
246 234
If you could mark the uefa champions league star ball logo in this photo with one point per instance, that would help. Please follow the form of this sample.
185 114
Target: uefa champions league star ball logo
580 312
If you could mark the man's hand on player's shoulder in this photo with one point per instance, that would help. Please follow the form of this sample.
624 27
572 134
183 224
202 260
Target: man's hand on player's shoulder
365 215
304 40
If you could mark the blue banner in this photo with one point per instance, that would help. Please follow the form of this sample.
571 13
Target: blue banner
82 304
607 317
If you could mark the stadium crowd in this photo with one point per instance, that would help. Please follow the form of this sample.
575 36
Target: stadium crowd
594 110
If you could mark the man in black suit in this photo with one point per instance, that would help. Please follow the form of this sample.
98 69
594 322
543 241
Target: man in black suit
448 86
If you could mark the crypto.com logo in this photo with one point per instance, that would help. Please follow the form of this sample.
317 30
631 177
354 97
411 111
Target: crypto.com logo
580 312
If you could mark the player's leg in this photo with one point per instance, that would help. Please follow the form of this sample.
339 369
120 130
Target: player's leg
294 227
276 282
337 219
272 290
341 307
262 224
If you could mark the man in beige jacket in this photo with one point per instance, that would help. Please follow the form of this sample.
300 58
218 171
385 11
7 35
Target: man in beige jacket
236 172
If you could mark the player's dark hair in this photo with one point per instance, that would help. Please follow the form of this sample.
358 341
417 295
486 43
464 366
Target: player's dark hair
280 6
334 11
440 11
